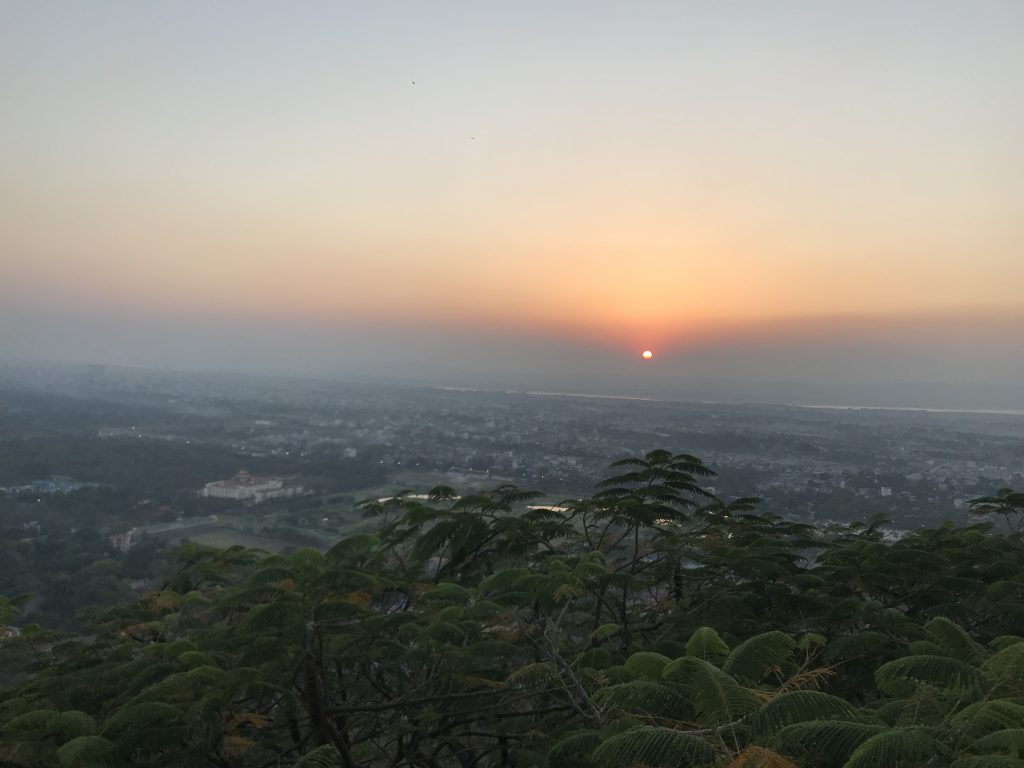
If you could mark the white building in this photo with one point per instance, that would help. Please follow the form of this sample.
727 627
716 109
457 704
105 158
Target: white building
125 541
246 487
886 490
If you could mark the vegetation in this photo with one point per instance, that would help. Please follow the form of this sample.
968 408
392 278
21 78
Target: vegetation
169 471
649 624
64 573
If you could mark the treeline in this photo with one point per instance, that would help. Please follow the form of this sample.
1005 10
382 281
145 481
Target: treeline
167 470
649 624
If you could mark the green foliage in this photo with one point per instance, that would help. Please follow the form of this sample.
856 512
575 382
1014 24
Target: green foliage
646 664
800 707
831 738
147 727
953 640
534 675
759 656
644 698
32 725
649 624
574 748
706 644
715 696
605 631
856 647
1006 666
1004 641
671 648
898 677
86 752
1009 741
72 724
896 747
1007 503
653 747
985 717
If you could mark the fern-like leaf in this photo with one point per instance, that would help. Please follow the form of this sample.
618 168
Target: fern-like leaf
654 748
1005 641
146 726
1006 666
899 676
705 643
534 675
32 726
714 695
605 631
984 717
800 707
819 738
926 705
856 646
647 665
72 724
1009 741
575 746
86 752
896 747
752 659
953 640
644 697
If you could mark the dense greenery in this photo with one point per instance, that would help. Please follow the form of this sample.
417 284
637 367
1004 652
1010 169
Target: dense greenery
167 470
66 572
649 624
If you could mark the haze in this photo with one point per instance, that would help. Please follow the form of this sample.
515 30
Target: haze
777 199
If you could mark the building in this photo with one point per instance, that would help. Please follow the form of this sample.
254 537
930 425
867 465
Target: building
886 490
246 487
58 484
122 542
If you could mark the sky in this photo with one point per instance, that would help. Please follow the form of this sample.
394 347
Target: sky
518 194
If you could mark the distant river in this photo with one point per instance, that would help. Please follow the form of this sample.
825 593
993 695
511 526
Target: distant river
993 411
541 393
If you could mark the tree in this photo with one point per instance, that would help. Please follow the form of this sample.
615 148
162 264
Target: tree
1007 502
650 623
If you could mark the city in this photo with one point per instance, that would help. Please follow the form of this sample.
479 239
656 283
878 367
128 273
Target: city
325 445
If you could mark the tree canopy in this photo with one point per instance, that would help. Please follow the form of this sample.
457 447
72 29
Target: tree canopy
648 624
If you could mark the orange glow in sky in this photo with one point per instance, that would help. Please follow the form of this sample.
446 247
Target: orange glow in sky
637 176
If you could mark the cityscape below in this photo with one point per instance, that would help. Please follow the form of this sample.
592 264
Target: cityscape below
280 463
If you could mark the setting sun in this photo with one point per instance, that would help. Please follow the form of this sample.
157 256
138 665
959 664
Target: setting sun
647 355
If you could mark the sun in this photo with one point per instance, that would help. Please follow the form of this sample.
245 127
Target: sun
647 355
